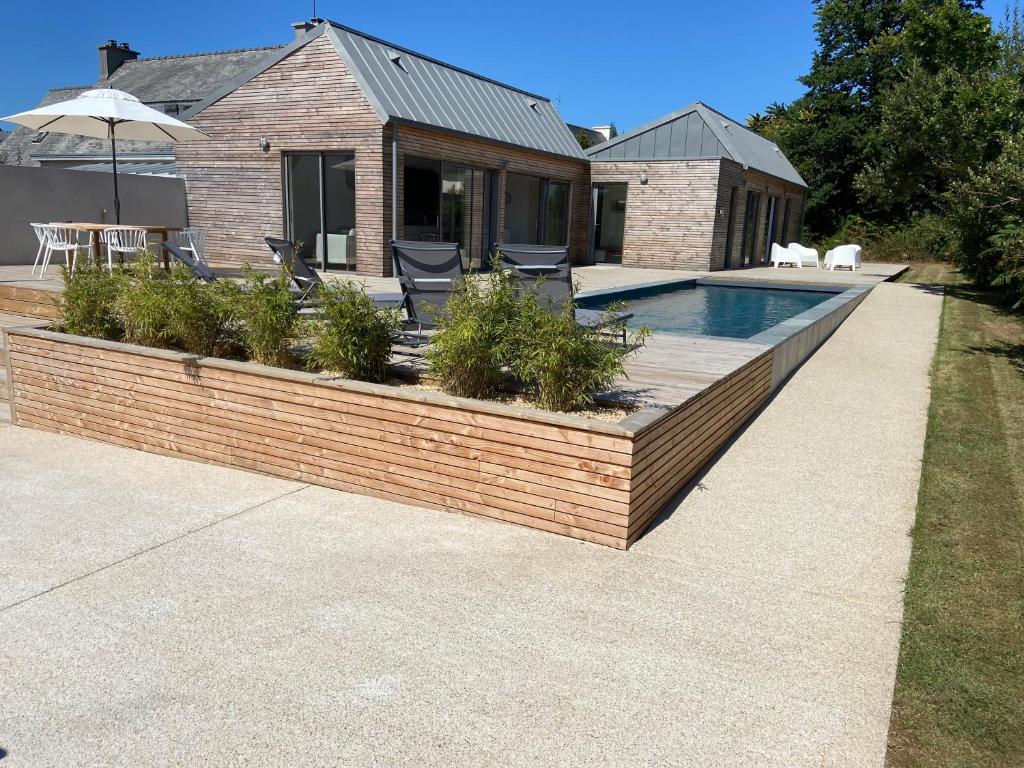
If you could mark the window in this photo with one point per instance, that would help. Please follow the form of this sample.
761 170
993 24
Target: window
320 207
749 242
536 210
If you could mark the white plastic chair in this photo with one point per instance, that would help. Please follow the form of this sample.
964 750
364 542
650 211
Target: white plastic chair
806 254
843 256
40 232
782 255
66 239
191 239
122 240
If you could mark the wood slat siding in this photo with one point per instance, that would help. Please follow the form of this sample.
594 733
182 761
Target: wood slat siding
29 302
670 219
590 481
307 101
670 453
680 218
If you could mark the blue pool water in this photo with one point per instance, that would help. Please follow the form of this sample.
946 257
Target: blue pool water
713 310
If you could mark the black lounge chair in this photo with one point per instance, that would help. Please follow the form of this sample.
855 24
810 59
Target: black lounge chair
546 269
427 273
199 269
308 281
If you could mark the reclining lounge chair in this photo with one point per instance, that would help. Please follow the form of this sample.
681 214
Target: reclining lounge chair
546 269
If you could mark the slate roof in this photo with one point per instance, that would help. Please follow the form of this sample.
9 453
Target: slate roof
157 81
698 132
409 87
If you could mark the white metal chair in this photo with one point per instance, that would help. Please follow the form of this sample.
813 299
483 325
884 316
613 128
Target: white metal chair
62 239
807 255
40 232
192 240
782 255
122 241
843 256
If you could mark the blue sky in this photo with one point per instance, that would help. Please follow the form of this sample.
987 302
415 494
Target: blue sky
601 61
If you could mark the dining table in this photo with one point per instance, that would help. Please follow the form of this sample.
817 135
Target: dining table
95 229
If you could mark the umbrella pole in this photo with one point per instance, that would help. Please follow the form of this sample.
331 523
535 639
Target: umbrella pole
113 155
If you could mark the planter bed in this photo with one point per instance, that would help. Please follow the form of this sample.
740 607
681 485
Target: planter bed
591 480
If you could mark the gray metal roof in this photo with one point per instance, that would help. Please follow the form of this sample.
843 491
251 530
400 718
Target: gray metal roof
409 87
153 168
158 81
698 132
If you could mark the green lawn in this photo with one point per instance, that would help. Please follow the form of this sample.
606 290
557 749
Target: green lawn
959 697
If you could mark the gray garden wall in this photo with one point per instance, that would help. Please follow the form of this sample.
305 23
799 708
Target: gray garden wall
57 194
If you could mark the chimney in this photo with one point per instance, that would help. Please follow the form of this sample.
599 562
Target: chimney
302 27
113 56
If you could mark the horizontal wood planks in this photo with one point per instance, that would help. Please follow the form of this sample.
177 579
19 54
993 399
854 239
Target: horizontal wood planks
29 302
589 481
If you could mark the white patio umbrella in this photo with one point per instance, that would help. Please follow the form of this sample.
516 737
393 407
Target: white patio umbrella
105 113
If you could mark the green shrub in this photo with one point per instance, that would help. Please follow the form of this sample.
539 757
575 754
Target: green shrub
477 331
563 363
89 302
352 337
145 303
925 237
200 314
265 311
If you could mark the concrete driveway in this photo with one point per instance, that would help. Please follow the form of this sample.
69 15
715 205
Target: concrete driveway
160 612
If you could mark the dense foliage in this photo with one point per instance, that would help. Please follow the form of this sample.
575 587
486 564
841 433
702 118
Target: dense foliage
265 311
490 330
88 303
350 336
477 334
909 131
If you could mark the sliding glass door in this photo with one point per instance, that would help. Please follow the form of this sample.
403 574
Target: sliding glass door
320 207
609 225
450 203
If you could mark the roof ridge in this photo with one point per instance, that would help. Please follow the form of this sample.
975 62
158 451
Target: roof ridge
433 60
202 53
71 87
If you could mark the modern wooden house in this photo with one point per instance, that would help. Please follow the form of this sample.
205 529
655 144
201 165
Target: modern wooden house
692 190
341 141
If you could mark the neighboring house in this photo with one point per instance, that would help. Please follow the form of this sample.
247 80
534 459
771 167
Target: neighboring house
171 84
692 190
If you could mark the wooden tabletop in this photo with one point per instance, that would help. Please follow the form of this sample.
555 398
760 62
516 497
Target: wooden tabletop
89 227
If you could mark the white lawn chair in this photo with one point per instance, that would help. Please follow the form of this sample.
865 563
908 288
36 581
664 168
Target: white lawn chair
40 232
807 255
62 239
843 256
122 240
782 255
192 240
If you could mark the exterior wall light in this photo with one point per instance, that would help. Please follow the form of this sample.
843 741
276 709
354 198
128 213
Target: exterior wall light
264 143
643 177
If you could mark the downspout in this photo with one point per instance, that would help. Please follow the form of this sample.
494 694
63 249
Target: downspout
394 191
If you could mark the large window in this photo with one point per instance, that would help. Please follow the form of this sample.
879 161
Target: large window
749 244
447 202
536 210
320 207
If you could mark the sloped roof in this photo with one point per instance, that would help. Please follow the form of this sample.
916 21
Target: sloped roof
160 80
409 87
698 132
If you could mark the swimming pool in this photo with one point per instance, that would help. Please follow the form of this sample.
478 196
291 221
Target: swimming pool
718 310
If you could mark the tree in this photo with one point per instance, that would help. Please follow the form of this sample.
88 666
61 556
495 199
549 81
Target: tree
832 132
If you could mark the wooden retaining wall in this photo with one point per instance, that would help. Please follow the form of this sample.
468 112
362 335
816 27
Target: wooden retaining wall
589 480
29 302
